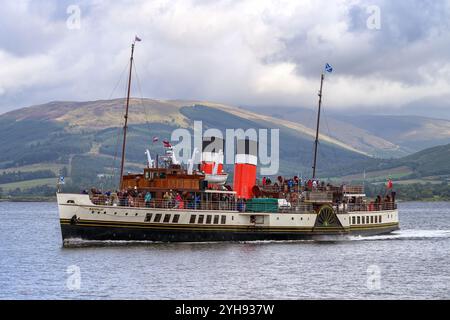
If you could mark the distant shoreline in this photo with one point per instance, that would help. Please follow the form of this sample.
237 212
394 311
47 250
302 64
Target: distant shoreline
29 199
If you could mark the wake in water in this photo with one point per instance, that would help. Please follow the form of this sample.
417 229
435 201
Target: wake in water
410 234
79 243
396 235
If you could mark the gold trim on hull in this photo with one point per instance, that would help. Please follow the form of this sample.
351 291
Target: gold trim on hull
231 228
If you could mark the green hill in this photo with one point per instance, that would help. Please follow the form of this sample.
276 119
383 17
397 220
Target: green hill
382 136
431 165
83 139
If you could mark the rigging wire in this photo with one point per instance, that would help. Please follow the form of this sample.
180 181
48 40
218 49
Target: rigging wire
138 81
147 117
119 129
329 134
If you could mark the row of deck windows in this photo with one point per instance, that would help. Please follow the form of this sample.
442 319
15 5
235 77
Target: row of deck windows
367 219
176 217
209 219
159 216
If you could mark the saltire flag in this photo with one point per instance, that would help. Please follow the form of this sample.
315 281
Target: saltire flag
328 68
61 180
167 144
136 38
155 139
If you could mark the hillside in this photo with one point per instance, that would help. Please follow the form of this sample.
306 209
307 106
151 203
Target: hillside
83 138
431 165
383 136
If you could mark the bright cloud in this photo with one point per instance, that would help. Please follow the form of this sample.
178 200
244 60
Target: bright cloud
255 52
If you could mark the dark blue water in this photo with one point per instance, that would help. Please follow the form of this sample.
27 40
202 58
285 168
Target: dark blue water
410 264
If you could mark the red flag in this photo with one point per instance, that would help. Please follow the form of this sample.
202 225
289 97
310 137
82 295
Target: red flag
167 144
390 184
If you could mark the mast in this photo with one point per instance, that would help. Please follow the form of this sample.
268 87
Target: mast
126 117
317 127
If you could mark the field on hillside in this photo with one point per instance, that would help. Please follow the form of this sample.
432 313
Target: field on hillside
23 185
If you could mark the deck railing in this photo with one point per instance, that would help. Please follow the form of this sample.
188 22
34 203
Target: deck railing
165 204
371 206
223 205
353 189
317 196
232 205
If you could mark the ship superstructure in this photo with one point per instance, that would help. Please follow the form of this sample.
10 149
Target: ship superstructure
170 202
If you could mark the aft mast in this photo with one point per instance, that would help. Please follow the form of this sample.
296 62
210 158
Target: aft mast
316 143
125 127
329 69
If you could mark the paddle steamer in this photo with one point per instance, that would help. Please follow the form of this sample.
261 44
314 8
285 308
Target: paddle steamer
168 202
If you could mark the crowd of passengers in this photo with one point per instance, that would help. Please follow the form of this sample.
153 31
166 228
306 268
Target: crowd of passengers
292 190
171 199
295 184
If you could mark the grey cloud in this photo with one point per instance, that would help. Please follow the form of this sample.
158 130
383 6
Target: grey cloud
413 34
224 50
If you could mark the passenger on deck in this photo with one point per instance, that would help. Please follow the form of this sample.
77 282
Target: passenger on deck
130 200
179 203
167 198
114 199
148 199
241 205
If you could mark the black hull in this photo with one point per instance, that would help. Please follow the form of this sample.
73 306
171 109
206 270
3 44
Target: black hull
110 233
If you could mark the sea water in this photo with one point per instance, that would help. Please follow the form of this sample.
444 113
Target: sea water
412 263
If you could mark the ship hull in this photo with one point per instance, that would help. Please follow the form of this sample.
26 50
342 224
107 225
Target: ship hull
128 233
80 219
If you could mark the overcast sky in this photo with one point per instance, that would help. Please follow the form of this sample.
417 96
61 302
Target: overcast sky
257 52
